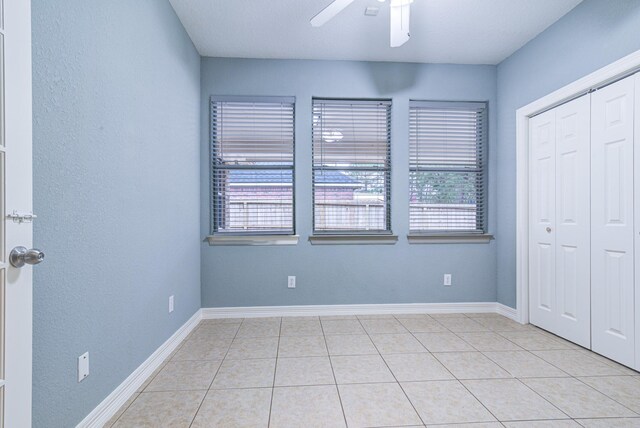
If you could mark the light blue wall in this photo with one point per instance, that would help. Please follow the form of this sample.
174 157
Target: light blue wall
119 162
116 90
402 273
591 36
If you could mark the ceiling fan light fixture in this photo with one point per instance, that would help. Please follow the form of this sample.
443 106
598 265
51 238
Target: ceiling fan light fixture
399 22
399 18
329 12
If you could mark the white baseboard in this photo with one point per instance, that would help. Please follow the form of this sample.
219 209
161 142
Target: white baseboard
507 311
110 405
327 310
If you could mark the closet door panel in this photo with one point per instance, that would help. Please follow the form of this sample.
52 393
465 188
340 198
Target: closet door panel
573 153
542 201
612 225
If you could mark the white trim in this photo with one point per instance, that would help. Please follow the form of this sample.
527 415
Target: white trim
252 239
449 239
110 405
328 310
594 80
356 239
507 311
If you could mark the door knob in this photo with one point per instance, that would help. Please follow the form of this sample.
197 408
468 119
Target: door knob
21 255
548 229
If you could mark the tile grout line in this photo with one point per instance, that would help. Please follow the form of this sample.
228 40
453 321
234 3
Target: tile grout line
548 362
460 381
478 400
545 399
389 368
521 350
583 351
164 363
275 371
564 371
214 376
124 410
529 352
457 334
606 395
608 362
148 381
451 373
324 337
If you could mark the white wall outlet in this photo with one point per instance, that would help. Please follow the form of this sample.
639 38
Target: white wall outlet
291 282
83 366
171 303
447 279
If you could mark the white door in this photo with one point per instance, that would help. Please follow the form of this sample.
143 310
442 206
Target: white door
560 294
573 254
542 267
612 221
16 190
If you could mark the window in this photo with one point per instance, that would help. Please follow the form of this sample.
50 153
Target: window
252 153
447 167
351 166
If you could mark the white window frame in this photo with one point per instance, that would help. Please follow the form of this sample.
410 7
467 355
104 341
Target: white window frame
444 236
267 237
355 236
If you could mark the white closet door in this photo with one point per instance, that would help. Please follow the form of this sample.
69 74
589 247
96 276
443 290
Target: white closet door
637 218
572 233
542 266
560 254
612 221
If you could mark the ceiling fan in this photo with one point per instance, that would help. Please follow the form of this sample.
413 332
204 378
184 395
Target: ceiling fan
398 11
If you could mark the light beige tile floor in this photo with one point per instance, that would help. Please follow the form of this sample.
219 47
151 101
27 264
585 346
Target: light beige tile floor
446 370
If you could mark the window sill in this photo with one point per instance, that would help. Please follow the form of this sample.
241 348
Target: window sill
252 240
353 239
449 239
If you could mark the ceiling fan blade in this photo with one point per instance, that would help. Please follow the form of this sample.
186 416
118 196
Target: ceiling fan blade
329 12
399 28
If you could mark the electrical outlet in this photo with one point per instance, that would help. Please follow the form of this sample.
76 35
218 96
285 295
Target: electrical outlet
291 282
83 366
171 303
447 279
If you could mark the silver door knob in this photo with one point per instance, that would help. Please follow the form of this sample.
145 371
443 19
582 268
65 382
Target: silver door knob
21 255
548 230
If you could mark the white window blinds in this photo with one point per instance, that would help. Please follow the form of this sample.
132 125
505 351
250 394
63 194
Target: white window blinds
447 167
252 165
351 165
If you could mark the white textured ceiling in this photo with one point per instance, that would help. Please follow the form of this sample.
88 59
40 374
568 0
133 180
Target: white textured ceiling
442 31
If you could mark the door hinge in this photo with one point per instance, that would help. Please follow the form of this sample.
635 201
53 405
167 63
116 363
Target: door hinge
21 217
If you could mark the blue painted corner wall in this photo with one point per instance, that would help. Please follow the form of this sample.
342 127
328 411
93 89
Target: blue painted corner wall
589 37
116 90
346 274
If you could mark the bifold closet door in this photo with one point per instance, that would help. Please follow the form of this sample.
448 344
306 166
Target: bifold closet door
612 221
542 267
559 268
